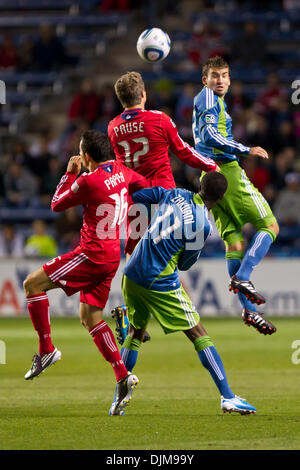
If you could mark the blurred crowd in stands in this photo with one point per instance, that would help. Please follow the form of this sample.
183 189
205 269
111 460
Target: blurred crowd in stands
262 116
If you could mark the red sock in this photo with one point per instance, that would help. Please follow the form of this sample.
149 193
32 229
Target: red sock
105 341
38 307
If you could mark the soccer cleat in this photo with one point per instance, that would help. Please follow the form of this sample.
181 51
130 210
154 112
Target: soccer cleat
124 391
256 320
246 287
119 314
41 362
237 405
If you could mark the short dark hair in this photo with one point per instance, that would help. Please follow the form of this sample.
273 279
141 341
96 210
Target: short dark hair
129 88
214 62
213 186
97 145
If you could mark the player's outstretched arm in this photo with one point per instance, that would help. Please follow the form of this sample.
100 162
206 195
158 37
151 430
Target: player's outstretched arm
184 151
258 152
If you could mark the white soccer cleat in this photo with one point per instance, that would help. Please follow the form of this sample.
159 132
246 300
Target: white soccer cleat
237 405
41 363
124 391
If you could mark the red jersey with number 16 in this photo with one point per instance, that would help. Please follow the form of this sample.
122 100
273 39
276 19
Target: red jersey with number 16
141 140
104 196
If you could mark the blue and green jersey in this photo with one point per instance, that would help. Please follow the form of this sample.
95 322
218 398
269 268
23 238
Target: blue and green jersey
173 240
212 128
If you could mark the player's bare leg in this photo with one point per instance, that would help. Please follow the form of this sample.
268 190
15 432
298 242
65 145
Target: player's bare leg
212 361
35 286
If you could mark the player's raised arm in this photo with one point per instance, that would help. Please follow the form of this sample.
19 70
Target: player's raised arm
184 151
69 192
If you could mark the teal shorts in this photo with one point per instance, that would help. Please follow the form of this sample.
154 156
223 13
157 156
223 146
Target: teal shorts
172 309
242 204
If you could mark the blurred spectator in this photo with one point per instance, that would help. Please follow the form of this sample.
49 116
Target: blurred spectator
287 205
85 104
40 243
68 226
164 96
26 56
271 94
250 48
11 242
184 105
48 51
206 41
8 53
237 100
21 187
50 180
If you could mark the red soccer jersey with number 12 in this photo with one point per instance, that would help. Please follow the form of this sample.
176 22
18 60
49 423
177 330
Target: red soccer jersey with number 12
104 196
141 140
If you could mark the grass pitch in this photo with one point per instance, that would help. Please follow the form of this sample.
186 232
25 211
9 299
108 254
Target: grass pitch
176 405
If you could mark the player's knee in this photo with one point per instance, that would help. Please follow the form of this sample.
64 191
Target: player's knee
84 323
29 284
275 228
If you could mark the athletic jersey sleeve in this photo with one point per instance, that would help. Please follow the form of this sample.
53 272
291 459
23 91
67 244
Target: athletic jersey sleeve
183 150
70 192
187 259
208 111
149 195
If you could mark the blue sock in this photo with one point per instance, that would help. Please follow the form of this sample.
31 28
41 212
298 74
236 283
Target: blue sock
212 361
129 357
233 265
257 250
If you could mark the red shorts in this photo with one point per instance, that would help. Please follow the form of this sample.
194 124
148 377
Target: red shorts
74 272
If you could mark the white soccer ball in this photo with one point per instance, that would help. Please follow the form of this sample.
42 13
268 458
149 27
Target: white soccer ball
153 45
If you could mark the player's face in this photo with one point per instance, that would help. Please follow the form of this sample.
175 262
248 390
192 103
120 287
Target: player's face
218 80
83 156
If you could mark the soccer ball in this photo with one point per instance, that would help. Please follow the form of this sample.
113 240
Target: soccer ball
153 45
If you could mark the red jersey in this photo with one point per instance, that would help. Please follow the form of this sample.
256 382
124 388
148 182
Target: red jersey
103 194
141 140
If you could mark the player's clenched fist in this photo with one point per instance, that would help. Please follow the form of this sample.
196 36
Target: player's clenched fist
258 152
74 165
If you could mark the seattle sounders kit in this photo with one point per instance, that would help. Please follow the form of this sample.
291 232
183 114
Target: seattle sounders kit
173 241
242 202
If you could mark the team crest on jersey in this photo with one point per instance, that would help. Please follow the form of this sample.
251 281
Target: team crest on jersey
127 116
210 119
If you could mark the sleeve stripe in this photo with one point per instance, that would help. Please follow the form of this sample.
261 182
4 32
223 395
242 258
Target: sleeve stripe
196 154
217 136
209 98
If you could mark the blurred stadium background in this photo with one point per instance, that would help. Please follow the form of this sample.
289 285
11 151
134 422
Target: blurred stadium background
59 60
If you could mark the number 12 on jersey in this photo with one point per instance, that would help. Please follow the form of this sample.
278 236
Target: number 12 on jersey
132 160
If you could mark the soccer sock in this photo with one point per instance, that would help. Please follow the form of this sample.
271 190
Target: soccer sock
211 360
257 250
38 308
130 351
105 341
233 265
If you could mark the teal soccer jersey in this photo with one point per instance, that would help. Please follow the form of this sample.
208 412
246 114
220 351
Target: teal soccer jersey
212 128
175 237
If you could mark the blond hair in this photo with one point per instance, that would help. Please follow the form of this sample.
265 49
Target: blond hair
129 88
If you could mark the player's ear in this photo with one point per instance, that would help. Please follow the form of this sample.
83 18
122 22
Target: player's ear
204 79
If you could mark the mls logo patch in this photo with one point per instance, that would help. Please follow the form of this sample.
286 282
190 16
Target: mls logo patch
210 119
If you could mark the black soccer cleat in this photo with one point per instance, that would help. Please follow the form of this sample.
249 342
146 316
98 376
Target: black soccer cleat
247 288
256 320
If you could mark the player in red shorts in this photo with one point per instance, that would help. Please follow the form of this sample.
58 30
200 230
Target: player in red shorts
91 267
141 140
